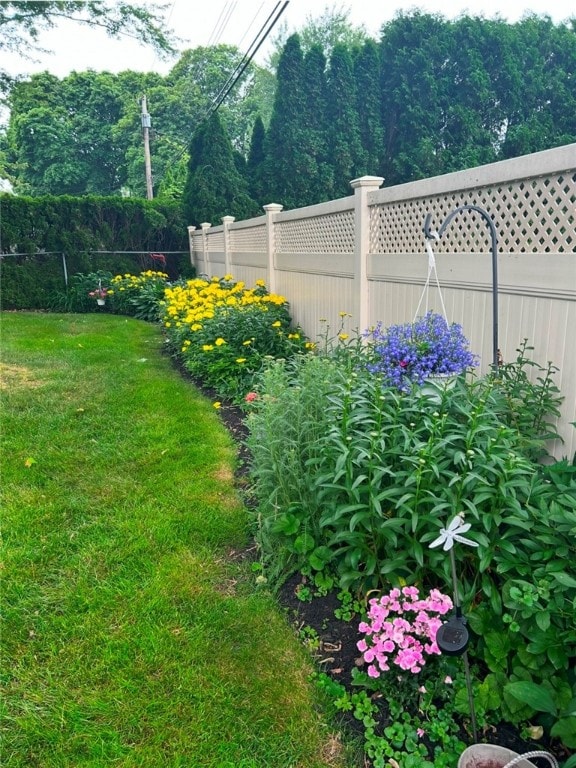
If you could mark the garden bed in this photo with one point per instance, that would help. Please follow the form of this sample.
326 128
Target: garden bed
332 641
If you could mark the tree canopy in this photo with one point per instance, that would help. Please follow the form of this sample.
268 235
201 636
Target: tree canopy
22 21
429 97
93 119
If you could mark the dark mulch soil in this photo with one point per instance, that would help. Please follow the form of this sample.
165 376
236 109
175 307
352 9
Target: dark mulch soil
333 642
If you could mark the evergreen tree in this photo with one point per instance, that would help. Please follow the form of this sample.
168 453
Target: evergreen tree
214 188
256 160
415 55
542 108
284 172
473 113
348 159
369 101
314 147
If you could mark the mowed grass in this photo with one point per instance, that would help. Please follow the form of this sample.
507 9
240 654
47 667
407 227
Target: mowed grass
132 634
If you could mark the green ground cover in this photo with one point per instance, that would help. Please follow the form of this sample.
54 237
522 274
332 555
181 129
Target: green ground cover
133 635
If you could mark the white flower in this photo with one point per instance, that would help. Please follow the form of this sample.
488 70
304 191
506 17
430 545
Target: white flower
451 534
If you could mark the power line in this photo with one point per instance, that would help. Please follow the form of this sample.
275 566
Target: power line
246 59
261 36
221 23
249 27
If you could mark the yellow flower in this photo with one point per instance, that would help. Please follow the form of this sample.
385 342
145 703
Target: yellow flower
342 336
293 335
207 347
219 341
260 283
344 314
240 359
217 404
310 345
247 342
166 324
277 324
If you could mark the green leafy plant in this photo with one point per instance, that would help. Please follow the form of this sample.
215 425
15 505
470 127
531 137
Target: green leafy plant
80 296
559 707
349 607
531 401
359 489
286 422
411 721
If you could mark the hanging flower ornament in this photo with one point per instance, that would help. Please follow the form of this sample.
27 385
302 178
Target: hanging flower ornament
410 353
453 533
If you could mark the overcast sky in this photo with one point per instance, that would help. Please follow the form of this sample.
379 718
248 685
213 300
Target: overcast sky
238 22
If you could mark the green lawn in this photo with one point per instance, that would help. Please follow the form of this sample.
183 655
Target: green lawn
132 634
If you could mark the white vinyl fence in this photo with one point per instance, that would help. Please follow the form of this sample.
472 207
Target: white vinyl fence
505 260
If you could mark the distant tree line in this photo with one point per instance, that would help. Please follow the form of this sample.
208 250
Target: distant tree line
431 96
82 134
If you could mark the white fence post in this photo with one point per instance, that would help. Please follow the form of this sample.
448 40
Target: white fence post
191 246
362 187
271 210
226 221
205 227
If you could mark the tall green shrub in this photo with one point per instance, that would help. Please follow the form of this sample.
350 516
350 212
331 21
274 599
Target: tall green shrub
46 229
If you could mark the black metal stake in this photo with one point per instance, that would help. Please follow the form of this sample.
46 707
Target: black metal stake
430 235
467 674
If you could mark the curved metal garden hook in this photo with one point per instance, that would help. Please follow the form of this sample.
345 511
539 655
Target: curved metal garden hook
430 234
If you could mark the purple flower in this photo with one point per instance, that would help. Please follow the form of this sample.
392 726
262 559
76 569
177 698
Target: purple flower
409 353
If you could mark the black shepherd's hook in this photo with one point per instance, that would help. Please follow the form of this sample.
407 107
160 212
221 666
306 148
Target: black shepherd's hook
431 235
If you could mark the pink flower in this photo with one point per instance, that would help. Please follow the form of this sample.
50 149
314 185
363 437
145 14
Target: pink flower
420 732
448 680
372 671
251 396
401 623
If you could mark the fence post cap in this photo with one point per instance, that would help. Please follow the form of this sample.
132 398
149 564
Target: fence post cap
367 181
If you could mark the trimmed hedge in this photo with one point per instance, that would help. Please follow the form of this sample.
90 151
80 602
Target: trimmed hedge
44 229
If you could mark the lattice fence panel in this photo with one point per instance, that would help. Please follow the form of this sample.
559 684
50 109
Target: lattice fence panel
333 233
249 240
215 242
533 216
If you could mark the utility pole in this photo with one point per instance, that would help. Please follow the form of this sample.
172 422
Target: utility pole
146 123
